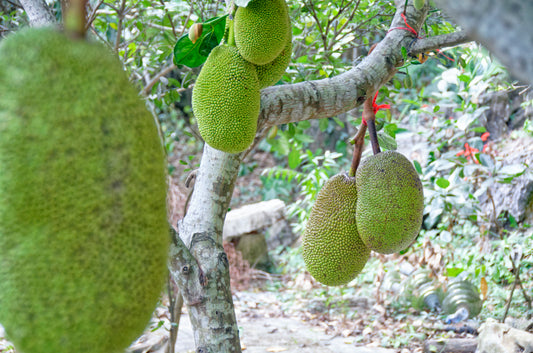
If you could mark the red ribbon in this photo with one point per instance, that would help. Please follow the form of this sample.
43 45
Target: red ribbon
408 28
376 107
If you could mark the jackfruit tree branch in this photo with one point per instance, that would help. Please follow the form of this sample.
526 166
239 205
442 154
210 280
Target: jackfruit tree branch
333 96
39 14
427 44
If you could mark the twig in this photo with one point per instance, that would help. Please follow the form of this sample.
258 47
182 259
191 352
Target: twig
92 16
359 145
156 78
120 14
515 283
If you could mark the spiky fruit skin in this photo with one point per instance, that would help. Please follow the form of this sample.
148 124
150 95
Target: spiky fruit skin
271 73
261 30
332 250
390 204
226 99
83 230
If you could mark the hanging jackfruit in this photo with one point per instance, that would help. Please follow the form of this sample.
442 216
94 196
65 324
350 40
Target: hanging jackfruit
226 99
83 229
390 202
261 30
332 249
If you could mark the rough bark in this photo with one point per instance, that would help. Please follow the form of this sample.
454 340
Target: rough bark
503 27
38 13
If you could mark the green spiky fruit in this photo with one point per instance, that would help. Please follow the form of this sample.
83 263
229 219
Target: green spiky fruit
271 73
390 202
332 250
226 99
262 30
83 230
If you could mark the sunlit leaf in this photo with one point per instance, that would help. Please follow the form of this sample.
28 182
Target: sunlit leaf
442 183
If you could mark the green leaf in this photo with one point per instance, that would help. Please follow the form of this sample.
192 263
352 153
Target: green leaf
195 54
404 53
418 167
294 159
480 129
436 109
291 131
323 124
386 141
453 271
442 183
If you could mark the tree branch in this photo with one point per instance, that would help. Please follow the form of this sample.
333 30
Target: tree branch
39 14
444 40
504 27
333 96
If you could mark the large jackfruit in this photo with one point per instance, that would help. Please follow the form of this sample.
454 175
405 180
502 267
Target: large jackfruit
261 30
390 202
83 229
332 250
226 100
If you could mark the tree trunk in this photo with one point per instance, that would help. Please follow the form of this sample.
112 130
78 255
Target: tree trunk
504 27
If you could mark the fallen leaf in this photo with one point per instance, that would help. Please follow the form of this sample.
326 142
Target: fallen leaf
276 349
484 288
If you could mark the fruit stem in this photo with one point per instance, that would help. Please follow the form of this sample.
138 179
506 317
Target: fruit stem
370 117
74 17
359 144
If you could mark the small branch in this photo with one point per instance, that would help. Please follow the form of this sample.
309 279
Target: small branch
441 41
156 78
92 16
38 13
120 14
359 145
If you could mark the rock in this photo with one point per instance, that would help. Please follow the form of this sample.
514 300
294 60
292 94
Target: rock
247 226
515 198
501 338
254 249
496 117
253 217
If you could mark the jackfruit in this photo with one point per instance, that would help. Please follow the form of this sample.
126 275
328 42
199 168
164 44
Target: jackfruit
332 250
83 229
226 99
390 202
261 30
271 73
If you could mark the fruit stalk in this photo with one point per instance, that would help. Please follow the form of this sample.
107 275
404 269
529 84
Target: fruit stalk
75 18
370 117
359 143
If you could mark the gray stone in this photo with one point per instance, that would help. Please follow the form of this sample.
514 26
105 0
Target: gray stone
515 198
501 338
253 217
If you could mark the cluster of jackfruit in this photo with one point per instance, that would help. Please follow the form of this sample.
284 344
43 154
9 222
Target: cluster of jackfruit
83 228
226 96
379 209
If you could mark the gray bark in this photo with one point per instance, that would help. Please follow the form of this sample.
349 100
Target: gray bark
503 27
38 13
